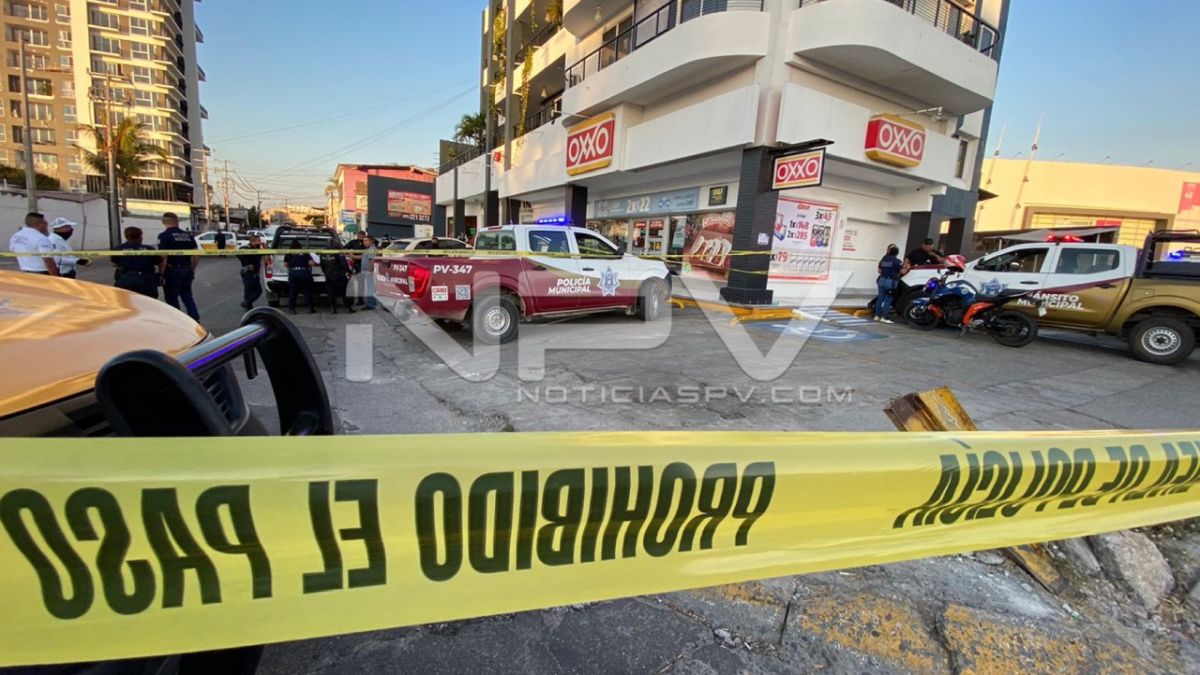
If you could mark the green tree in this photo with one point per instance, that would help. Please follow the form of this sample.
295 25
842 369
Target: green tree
135 153
471 129
16 177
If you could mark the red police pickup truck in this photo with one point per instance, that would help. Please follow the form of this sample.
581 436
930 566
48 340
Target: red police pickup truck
553 271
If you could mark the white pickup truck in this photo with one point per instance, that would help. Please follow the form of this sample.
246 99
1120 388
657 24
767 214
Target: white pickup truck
1148 296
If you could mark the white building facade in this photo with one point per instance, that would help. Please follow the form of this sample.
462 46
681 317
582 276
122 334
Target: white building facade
659 125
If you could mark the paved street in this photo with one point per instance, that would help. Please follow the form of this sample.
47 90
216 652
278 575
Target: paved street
925 616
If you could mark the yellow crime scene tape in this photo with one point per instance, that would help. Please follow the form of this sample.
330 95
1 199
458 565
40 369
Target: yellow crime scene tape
452 253
121 547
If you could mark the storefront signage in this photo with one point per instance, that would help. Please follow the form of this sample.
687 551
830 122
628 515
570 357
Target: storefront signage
674 201
349 217
412 206
590 144
717 196
806 169
895 140
802 245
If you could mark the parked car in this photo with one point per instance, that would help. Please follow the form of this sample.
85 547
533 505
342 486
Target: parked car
539 271
208 241
426 244
1149 297
88 360
275 271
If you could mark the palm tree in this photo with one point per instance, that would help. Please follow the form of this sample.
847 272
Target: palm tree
472 127
135 153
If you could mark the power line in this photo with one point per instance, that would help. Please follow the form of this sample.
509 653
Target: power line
351 113
372 137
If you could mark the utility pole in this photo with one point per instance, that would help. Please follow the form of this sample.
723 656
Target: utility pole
105 96
207 205
30 172
226 186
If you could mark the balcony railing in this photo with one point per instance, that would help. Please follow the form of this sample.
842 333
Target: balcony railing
661 21
951 19
539 38
545 115
468 153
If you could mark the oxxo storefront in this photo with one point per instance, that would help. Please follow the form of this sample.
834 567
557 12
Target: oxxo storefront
794 222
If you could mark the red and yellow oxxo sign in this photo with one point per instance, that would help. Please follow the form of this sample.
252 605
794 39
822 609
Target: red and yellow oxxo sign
895 140
590 144
806 169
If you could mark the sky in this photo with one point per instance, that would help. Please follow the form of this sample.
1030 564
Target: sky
294 88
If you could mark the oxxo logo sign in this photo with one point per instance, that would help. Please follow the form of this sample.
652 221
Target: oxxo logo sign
803 170
590 145
895 140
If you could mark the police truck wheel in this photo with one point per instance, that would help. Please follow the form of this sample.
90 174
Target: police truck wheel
1162 339
495 319
652 300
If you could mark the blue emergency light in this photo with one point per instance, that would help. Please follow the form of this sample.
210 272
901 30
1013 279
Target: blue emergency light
554 220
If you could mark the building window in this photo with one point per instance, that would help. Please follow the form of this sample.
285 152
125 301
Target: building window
3 134
36 38
103 19
72 136
45 162
960 167
139 26
32 61
139 51
14 84
39 87
66 61
41 111
138 5
142 75
106 45
42 136
102 66
18 134
78 185
14 107
63 11
28 10
143 98
74 165
68 89
69 113
64 39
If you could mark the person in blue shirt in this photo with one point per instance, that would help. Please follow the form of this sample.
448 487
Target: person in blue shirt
890 268
179 271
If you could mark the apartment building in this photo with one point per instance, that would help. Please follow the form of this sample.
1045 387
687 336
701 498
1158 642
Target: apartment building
659 123
95 62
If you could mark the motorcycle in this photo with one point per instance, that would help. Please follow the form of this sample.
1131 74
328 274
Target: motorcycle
958 303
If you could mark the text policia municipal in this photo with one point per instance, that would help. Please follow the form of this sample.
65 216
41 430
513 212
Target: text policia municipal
498 522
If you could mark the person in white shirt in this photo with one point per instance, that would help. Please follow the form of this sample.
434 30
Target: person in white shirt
32 239
61 230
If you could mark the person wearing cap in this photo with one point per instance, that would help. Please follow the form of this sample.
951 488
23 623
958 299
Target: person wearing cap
61 230
34 239
137 273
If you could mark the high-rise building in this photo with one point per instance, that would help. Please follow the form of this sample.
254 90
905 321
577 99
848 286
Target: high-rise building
92 63
657 123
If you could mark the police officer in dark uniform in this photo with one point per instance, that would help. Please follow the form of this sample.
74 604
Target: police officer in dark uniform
300 277
251 266
179 271
137 273
337 276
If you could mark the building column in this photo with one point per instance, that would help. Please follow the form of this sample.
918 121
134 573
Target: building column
460 211
491 209
439 221
754 216
921 226
961 237
576 205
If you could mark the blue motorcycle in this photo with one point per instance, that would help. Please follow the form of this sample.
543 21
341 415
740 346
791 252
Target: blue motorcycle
958 303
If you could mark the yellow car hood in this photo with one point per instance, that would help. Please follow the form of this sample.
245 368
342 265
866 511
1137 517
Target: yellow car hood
56 334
